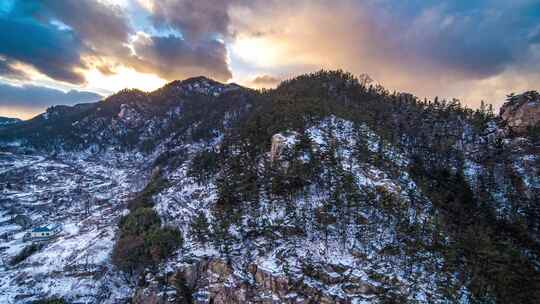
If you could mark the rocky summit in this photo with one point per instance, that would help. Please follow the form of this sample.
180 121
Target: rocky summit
323 190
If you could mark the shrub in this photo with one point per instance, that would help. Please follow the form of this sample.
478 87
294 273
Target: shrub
139 221
183 292
144 198
25 253
129 253
200 228
142 243
161 242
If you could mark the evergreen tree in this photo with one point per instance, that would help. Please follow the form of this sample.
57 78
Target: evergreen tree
200 228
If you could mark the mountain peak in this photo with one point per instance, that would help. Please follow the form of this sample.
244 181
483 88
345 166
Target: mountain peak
4 121
192 81
200 85
126 93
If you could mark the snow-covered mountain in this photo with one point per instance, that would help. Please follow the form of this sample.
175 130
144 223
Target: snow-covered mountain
5 121
320 191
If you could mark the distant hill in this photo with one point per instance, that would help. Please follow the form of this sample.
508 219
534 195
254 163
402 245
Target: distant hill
4 121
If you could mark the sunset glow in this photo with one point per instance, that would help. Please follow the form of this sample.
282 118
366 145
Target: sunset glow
123 77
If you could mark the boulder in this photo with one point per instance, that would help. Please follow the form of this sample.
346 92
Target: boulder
220 268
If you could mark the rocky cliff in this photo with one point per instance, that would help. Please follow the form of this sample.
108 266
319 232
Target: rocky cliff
522 111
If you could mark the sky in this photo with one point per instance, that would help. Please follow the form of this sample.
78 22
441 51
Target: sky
74 51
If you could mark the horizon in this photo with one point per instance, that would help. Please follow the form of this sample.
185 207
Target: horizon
471 51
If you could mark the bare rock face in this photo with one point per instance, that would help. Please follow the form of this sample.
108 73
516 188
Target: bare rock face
215 281
146 296
522 111
280 142
129 116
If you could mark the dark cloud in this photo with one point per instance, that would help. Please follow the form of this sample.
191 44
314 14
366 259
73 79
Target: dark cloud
196 50
203 19
478 38
467 41
172 57
41 97
194 19
103 28
57 37
50 50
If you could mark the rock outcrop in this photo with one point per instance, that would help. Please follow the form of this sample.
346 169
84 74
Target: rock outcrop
280 142
215 281
522 111
129 116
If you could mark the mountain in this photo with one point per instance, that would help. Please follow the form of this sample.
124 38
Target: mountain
323 190
522 112
4 121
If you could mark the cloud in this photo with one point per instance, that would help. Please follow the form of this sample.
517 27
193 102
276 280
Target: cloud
468 49
8 71
103 28
50 50
198 45
66 39
196 20
479 40
265 81
172 57
41 97
429 48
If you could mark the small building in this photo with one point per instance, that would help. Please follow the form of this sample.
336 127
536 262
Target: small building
45 232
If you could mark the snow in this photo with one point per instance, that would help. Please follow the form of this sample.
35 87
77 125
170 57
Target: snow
361 259
75 264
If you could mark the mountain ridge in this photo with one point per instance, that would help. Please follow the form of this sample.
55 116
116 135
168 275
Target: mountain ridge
209 86
4 121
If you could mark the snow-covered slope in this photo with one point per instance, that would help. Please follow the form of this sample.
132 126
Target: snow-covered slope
6 121
85 196
350 263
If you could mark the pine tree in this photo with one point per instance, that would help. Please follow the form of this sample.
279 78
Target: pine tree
183 292
200 228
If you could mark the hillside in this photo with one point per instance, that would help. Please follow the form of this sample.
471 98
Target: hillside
323 190
5 121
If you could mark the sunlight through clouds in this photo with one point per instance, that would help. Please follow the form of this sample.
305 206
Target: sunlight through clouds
123 77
